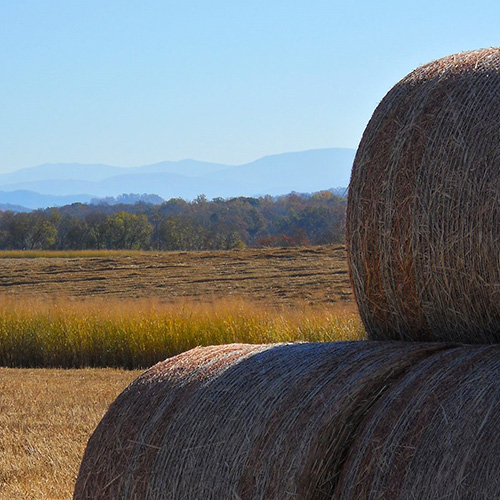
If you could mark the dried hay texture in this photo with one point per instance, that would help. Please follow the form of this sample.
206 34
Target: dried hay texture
249 422
424 205
435 435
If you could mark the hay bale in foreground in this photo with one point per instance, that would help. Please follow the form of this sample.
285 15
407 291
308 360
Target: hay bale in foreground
434 435
424 205
250 422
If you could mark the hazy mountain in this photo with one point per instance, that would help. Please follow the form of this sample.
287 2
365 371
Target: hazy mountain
164 179
29 199
56 187
304 171
191 168
8 207
60 171
340 191
165 185
98 172
129 199
168 185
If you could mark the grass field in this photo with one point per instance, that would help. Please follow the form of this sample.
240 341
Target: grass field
132 309
138 333
274 276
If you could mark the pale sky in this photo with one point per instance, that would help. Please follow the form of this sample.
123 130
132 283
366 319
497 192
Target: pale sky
130 83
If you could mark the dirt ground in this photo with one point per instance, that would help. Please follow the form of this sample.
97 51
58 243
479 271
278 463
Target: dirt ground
277 276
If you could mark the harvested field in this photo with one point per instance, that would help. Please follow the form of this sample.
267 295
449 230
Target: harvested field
276 276
46 418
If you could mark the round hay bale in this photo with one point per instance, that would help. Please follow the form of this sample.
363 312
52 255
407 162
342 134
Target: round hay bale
434 435
424 205
243 422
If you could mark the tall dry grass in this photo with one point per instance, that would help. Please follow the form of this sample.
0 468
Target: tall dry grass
138 333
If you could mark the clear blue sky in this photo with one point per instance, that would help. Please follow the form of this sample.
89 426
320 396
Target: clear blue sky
135 82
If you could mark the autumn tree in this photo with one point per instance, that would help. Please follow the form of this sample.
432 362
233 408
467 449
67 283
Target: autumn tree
128 231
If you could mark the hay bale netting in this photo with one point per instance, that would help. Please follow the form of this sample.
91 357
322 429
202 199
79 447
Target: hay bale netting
434 435
424 211
239 421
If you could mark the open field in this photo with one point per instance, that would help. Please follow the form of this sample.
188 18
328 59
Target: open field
46 418
130 310
276 276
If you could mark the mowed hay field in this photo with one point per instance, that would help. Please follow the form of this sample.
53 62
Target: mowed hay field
275 276
47 415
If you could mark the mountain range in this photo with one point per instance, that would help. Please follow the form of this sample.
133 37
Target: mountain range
64 183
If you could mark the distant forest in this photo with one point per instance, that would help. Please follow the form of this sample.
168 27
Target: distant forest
219 224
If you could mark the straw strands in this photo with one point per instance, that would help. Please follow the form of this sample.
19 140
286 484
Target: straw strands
424 205
345 421
242 421
434 435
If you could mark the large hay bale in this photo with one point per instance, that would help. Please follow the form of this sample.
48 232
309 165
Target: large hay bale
242 422
424 205
434 435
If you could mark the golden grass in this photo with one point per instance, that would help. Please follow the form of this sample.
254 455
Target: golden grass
46 418
138 333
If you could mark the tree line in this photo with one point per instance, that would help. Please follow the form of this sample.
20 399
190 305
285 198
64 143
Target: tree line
218 224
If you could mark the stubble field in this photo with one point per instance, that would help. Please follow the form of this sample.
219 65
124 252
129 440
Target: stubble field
275 276
47 415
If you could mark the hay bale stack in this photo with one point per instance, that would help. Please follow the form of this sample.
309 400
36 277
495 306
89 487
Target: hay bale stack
434 435
239 421
424 205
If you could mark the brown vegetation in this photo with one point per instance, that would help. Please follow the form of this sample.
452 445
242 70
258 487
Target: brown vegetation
274 276
46 417
424 205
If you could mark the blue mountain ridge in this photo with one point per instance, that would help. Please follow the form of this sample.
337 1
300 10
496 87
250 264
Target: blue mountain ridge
304 171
